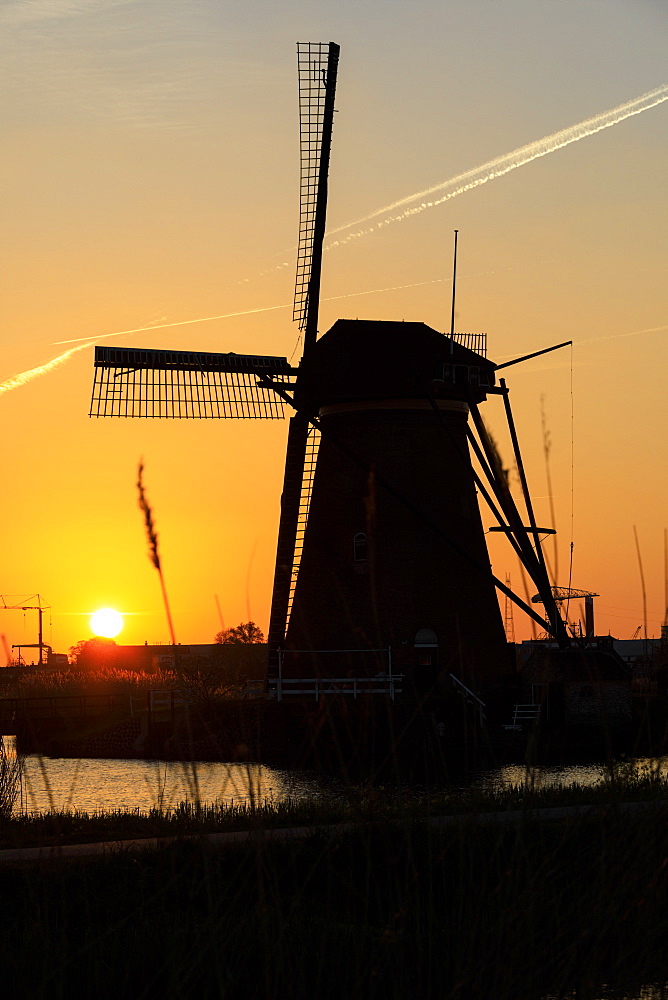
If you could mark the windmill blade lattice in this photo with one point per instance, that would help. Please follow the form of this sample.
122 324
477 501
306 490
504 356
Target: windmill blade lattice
185 384
317 65
310 460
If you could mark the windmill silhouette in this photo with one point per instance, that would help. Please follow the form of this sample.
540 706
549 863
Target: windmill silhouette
382 568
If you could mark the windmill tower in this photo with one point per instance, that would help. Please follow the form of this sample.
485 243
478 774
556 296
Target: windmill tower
381 563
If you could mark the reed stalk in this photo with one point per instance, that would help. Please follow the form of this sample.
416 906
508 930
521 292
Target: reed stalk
190 771
154 552
11 779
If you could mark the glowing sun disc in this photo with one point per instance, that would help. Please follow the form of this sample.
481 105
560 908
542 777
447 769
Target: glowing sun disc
106 622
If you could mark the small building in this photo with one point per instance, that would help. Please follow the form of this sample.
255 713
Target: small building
242 662
583 686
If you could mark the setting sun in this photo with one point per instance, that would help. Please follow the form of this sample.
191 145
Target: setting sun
106 622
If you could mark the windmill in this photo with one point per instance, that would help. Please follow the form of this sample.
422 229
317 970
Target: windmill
381 563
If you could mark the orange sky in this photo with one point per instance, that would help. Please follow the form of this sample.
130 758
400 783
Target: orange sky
151 175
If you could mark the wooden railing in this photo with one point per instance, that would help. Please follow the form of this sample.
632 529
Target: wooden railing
382 682
353 687
470 697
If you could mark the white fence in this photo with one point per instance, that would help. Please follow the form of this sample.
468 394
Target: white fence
385 683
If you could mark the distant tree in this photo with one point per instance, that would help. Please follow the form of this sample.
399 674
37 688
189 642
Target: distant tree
241 655
74 652
245 632
92 652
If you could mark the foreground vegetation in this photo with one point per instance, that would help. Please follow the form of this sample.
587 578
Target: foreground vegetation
376 909
381 900
353 805
73 680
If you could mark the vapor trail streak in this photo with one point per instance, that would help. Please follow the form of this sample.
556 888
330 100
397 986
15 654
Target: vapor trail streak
452 187
247 312
632 333
164 326
501 165
16 381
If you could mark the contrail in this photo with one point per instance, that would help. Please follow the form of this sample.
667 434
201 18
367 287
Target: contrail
633 333
501 165
596 340
24 377
248 312
164 326
16 381
452 187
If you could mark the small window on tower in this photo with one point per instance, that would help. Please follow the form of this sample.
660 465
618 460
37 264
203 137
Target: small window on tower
425 637
360 547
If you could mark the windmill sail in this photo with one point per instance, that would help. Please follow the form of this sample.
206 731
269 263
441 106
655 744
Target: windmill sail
185 384
188 384
311 458
318 65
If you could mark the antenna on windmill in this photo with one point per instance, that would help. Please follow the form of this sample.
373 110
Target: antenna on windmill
454 290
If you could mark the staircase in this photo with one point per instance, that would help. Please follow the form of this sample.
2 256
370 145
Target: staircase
524 717
471 698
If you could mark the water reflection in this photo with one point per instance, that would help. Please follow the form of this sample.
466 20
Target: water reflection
585 775
655 991
100 784
94 784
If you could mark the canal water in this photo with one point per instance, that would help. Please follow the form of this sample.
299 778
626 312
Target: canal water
94 784
97 785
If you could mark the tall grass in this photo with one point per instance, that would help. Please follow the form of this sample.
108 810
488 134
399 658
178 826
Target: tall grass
379 902
75 681
11 779
154 554
347 805
154 551
382 909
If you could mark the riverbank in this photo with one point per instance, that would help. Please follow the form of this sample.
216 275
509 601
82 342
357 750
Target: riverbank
269 834
414 735
382 909
618 787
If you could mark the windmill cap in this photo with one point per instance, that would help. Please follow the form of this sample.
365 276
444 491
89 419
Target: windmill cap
366 359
